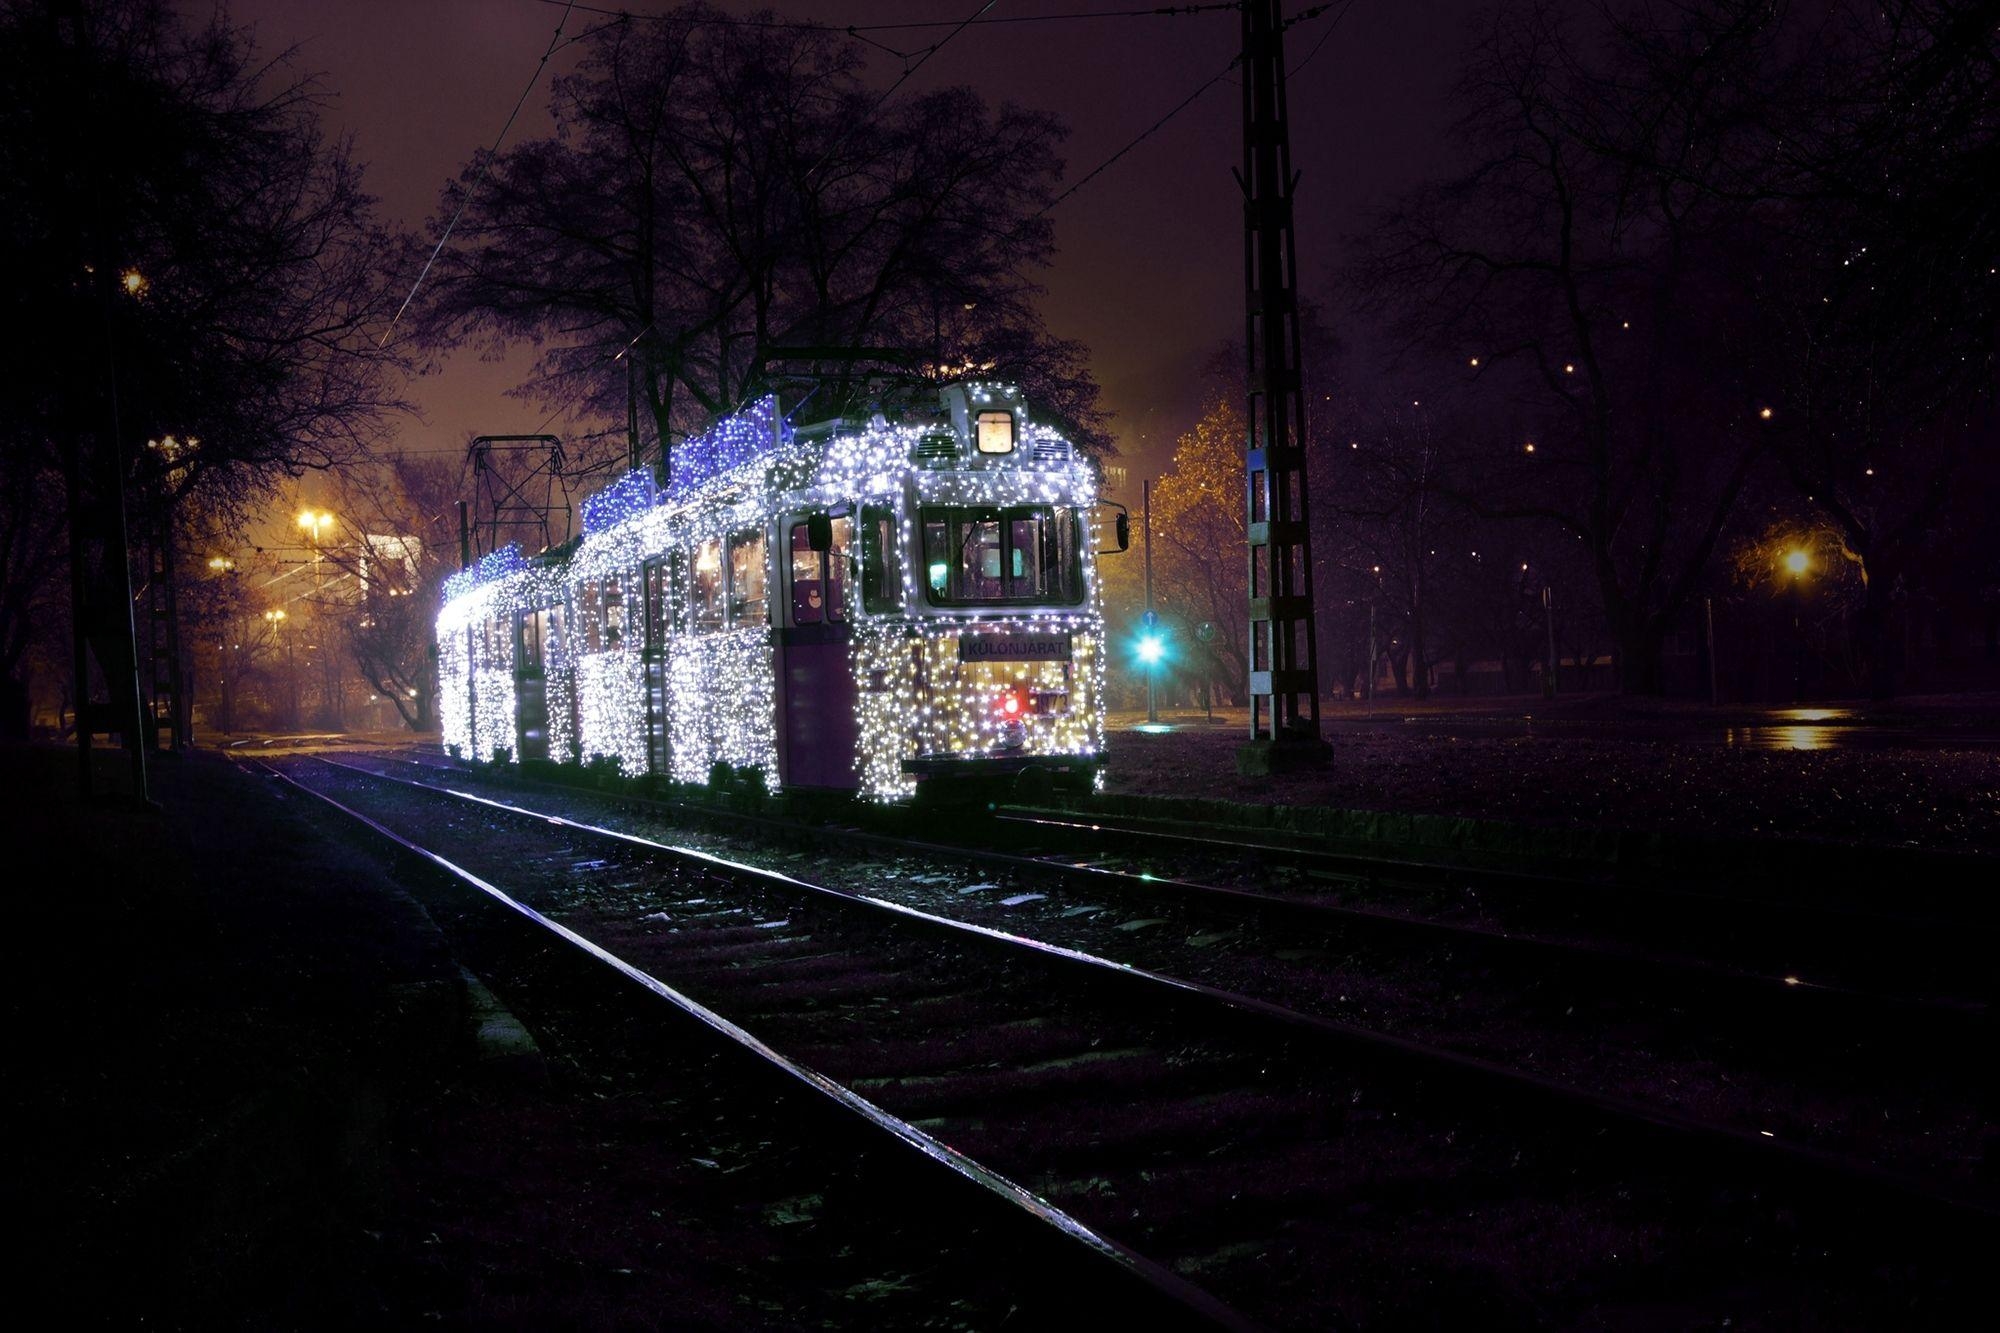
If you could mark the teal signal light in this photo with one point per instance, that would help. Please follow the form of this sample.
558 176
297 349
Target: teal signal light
1152 648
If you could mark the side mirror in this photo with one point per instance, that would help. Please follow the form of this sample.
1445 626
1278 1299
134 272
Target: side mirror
1122 529
819 532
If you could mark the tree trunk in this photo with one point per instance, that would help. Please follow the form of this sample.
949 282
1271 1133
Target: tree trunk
1641 646
1881 643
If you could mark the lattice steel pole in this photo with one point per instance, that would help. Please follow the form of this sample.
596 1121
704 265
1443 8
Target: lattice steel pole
1283 653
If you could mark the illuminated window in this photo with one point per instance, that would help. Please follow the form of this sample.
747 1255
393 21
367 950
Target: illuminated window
614 611
996 432
746 579
819 579
531 635
708 585
880 567
808 588
983 557
659 604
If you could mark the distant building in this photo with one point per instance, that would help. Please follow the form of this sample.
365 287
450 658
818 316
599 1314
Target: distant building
389 559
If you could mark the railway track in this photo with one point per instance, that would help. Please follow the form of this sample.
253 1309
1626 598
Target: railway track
1879 939
962 1246
1306 1170
1881 1077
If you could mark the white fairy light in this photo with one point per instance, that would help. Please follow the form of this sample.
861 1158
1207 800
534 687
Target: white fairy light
914 696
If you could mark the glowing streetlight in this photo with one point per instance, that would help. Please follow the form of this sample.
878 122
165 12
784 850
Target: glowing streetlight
1763 414
133 281
1798 561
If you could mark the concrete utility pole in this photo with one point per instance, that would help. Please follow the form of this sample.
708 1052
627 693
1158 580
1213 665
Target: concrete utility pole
1152 618
1549 621
1283 651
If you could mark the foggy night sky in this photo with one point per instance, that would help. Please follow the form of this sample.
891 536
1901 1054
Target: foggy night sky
1149 267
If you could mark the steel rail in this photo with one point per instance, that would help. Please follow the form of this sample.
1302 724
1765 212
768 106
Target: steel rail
1362 865
1177 1290
1790 988
1761 1149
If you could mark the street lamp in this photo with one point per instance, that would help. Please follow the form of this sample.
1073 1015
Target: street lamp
276 620
1798 562
315 522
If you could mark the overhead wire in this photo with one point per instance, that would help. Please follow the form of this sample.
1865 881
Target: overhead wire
485 164
1294 70
1303 16
855 29
908 70
977 17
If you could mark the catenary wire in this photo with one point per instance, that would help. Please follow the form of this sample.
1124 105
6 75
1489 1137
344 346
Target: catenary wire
908 70
855 29
485 165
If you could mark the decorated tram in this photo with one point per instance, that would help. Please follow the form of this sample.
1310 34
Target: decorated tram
843 605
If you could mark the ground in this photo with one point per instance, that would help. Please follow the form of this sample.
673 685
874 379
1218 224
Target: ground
1918 773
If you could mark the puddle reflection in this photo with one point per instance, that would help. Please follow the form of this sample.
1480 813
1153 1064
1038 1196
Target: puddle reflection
1803 737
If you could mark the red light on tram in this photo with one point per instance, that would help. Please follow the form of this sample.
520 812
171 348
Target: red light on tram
1013 702
1012 706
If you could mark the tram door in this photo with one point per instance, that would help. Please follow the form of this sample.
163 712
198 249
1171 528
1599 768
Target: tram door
817 731
531 700
663 576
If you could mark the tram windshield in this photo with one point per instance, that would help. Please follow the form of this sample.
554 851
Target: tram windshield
992 556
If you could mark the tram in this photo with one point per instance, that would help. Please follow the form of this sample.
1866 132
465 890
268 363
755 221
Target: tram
845 605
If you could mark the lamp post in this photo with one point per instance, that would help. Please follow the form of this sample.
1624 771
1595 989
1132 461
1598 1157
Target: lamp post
276 620
315 522
1373 658
225 665
1149 646
1798 563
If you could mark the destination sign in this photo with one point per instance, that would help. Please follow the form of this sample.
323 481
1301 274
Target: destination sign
1052 646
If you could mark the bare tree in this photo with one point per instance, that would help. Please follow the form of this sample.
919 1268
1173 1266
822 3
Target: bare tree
398 544
716 190
1877 232
203 276
1579 270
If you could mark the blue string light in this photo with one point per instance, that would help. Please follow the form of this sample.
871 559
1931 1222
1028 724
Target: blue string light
755 432
628 497
491 566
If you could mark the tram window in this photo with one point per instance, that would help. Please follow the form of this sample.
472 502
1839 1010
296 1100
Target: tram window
614 611
808 594
746 579
809 589
532 627
975 557
995 432
836 567
879 563
708 584
819 582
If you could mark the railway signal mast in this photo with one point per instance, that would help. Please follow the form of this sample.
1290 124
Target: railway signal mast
1283 660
